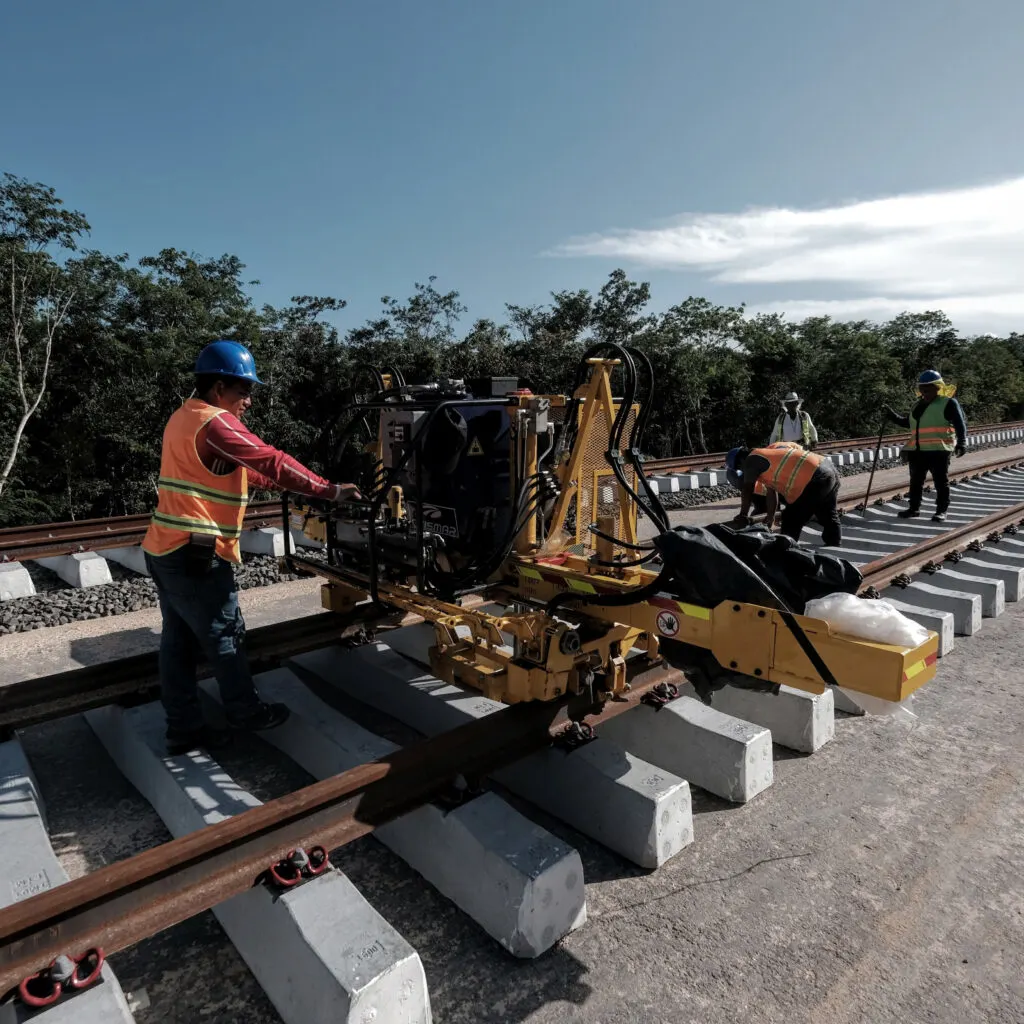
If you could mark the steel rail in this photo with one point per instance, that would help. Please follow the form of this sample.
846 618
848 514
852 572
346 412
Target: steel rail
926 553
850 502
135 679
125 902
48 539
716 460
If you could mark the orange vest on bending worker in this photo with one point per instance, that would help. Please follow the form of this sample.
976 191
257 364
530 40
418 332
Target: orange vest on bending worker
759 488
191 498
789 469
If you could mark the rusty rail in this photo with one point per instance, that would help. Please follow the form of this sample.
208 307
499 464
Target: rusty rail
881 572
716 460
135 898
48 539
135 679
848 502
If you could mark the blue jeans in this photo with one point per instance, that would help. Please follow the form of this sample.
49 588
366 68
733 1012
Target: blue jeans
200 617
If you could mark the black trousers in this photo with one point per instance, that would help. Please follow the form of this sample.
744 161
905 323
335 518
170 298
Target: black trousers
920 465
818 501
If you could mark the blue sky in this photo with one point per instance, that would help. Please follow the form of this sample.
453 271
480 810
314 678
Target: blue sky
514 149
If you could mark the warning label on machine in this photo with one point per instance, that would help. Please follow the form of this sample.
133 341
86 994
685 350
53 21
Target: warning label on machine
667 623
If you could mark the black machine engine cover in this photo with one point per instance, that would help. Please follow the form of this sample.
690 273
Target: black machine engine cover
466 476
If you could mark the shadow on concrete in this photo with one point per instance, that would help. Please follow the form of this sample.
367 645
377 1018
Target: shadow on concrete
95 650
95 818
471 978
780 753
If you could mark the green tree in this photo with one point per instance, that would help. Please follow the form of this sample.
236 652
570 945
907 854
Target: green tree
36 297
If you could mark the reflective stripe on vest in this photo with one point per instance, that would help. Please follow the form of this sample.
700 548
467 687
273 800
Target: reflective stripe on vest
191 498
759 488
933 432
789 469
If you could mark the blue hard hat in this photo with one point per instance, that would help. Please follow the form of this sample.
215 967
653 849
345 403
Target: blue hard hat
732 458
930 377
225 358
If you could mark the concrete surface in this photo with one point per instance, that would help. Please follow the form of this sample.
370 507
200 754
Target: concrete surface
521 884
725 756
82 569
27 867
878 882
991 592
640 811
966 607
321 952
15 581
133 558
266 540
797 719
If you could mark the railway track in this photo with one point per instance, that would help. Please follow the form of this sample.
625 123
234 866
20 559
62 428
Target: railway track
716 460
950 576
51 539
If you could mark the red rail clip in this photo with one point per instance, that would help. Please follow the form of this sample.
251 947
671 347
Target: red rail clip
299 866
64 974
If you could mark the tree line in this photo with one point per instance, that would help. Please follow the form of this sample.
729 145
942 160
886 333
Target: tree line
96 351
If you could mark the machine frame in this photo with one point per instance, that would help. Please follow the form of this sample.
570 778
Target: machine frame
551 629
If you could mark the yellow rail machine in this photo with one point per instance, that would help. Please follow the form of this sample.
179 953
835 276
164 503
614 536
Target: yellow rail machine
510 521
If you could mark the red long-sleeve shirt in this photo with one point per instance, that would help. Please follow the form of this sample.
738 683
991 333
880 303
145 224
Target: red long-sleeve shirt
227 442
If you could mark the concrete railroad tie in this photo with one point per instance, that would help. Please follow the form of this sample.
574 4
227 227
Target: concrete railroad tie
321 953
523 886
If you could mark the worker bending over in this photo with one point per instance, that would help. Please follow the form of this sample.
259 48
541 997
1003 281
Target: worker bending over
793 424
937 428
207 463
807 483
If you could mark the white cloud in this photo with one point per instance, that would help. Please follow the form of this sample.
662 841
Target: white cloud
961 251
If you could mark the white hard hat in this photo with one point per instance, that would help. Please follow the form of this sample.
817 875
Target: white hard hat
791 396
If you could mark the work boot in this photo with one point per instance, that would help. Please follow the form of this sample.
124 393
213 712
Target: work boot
939 517
181 741
262 716
908 513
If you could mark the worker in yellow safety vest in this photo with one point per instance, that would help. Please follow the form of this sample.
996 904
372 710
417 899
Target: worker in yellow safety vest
938 429
207 462
807 483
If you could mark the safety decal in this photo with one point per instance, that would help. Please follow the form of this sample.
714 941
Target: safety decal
667 623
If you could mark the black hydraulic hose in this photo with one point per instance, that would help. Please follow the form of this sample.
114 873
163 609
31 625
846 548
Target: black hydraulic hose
614 453
621 543
639 429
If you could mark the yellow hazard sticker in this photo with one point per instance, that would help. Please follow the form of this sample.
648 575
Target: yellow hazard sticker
694 610
475 448
582 586
913 670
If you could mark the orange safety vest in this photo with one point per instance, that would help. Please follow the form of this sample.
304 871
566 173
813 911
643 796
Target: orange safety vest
789 469
191 498
759 488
